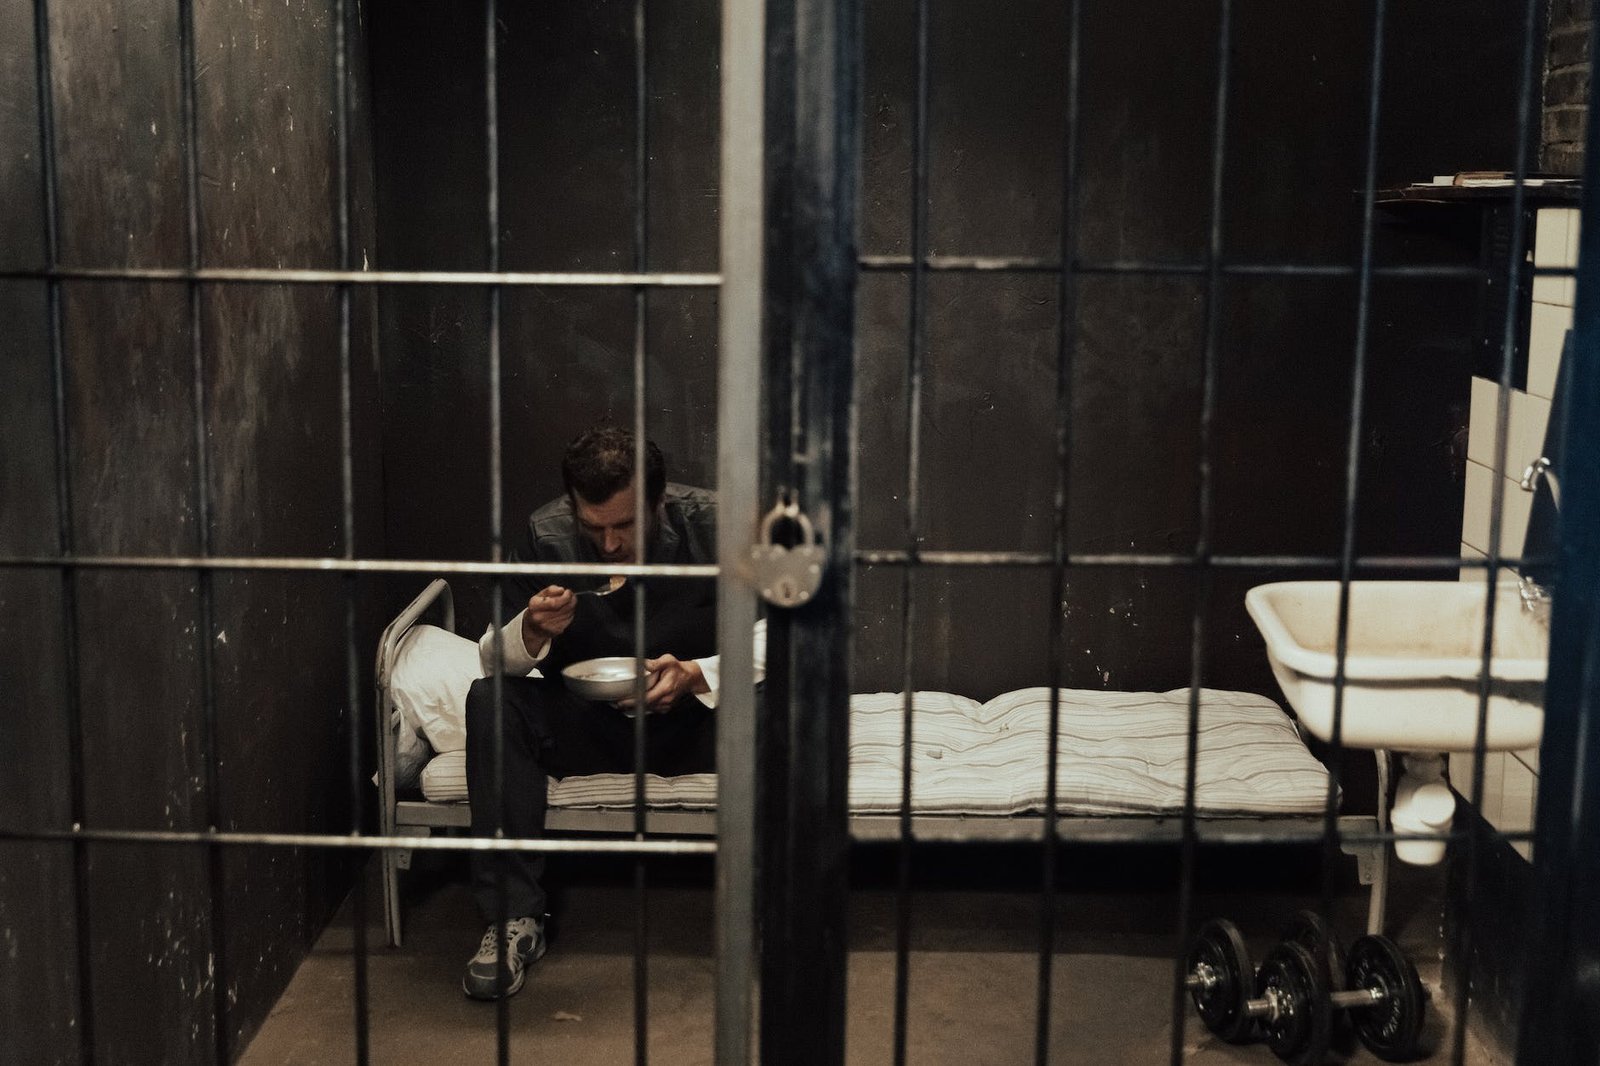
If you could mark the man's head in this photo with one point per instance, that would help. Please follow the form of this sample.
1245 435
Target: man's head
599 477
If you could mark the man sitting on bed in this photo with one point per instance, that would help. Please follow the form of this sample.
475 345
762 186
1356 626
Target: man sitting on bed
549 732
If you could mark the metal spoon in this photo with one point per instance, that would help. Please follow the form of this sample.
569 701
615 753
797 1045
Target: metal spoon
612 584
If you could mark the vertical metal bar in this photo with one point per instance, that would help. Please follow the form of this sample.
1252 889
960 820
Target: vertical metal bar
1558 1023
772 726
778 280
641 256
916 344
72 696
491 107
1203 572
1358 374
341 93
209 728
1066 345
808 1025
780 272
1461 948
739 325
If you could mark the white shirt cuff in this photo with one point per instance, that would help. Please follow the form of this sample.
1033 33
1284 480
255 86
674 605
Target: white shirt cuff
519 662
711 666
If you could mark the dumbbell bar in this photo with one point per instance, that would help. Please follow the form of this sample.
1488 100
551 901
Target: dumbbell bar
1294 999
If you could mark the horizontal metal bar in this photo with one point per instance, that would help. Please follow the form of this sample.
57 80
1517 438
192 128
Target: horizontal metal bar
967 264
1032 265
1133 829
893 557
658 279
269 276
342 565
413 814
889 557
875 828
329 840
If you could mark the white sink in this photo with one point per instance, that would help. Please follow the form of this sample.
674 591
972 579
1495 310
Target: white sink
1414 657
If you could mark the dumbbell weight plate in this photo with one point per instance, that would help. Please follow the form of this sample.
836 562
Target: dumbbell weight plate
1310 931
1391 1027
1222 1006
1300 1035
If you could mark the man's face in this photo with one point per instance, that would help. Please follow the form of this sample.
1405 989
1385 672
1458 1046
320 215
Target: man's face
609 526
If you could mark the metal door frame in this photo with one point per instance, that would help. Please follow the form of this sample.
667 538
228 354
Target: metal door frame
812 169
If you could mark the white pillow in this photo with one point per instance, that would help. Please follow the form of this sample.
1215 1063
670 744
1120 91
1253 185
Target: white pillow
444 779
433 670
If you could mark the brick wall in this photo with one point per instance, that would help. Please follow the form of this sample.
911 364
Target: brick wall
1566 86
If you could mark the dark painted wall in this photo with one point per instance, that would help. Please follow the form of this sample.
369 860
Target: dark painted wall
1296 133
271 394
1499 891
567 109
1297 130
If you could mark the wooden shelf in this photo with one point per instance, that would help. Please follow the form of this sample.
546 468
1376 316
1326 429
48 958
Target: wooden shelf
1565 192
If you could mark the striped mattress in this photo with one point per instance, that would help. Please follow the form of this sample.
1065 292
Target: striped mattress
1119 753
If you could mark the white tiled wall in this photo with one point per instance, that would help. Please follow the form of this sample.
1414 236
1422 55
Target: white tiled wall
1511 779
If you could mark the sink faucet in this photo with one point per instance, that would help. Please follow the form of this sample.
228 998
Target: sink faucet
1536 597
1540 468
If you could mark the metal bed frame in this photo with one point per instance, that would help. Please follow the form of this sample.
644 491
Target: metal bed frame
421 818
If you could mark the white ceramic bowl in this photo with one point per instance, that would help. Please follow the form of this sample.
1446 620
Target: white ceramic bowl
602 680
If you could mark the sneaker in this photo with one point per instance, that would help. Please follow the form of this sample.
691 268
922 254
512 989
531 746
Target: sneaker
525 939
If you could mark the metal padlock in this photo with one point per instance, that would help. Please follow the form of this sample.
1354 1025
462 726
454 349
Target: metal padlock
785 576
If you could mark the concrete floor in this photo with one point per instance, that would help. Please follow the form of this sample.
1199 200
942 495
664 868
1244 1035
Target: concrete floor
972 977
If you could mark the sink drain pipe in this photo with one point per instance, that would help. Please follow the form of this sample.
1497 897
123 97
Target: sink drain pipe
1423 803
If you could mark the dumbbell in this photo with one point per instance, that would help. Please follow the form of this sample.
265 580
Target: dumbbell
1312 932
1390 1023
1295 1002
1221 980
1283 1001
1376 987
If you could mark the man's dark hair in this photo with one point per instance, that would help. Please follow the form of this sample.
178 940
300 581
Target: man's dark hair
599 464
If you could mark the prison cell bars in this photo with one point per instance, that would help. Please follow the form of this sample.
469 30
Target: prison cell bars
216 884
778 430
1202 591
72 697
916 344
812 159
1358 377
865 557
1463 938
1214 268
491 205
641 258
347 484
733 1032
53 274
1066 340
739 335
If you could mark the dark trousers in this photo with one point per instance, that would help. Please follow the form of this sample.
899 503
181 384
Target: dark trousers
550 733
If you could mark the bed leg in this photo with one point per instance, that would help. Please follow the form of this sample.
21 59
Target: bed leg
1380 851
395 860
391 892
1380 890
1372 868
